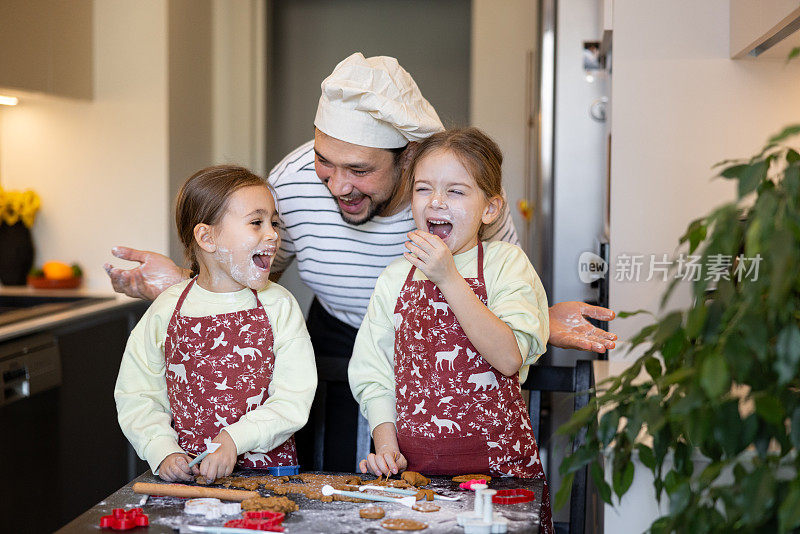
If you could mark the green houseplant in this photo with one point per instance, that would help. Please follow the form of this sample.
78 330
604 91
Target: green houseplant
721 377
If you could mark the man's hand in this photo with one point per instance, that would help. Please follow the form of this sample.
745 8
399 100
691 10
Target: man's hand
570 330
221 462
155 273
431 256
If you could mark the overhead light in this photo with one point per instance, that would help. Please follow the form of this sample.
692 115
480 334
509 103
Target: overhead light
9 100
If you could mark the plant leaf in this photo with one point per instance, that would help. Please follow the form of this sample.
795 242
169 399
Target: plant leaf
562 496
578 420
608 427
787 132
715 378
646 456
734 171
787 349
653 367
679 497
789 511
624 314
795 430
600 482
622 479
752 176
770 409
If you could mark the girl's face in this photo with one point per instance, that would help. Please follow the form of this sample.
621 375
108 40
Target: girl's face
243 243
447 201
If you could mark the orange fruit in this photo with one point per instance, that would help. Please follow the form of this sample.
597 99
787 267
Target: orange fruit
55 270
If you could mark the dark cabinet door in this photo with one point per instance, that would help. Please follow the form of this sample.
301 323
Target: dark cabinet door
92 455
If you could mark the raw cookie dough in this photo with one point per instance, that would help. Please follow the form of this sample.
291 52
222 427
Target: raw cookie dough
403 524
426 494
426 507
372 512
308 484
415 479
273 504
467 478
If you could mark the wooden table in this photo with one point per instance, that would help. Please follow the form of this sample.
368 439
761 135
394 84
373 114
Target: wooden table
166 513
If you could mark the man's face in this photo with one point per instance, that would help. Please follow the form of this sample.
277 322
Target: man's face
360 178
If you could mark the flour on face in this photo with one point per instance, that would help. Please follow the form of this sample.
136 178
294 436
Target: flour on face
245 242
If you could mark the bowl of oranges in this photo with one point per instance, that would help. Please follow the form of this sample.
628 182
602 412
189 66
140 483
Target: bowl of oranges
55 275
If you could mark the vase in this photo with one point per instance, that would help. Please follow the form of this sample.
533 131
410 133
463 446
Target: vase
16 254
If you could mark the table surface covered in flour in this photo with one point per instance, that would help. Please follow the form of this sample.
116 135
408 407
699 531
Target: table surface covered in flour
166 513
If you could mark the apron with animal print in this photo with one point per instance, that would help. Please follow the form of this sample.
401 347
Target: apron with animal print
219 367
456 414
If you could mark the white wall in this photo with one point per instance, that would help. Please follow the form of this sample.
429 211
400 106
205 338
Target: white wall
99 166
679 106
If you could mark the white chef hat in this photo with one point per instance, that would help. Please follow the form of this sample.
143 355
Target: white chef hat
374 102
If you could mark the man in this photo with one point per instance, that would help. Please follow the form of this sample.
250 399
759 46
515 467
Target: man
333 194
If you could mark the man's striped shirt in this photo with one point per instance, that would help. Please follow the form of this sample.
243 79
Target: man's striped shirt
340 262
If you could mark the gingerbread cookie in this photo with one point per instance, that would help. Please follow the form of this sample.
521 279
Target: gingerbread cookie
415 479
273 504
426 507
467 478
403 524
426 494
372 512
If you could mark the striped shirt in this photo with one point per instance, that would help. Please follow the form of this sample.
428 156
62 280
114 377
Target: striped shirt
340 262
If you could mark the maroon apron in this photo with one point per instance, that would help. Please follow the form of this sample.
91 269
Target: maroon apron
219 367
456 414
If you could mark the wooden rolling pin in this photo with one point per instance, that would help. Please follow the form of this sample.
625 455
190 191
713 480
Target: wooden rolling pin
182 490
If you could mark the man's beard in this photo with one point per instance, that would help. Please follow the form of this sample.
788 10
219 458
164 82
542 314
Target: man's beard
374 210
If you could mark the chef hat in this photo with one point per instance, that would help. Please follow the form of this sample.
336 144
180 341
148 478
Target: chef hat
374 102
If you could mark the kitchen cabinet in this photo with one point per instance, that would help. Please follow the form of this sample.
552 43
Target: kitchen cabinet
47 46
62 448
767 28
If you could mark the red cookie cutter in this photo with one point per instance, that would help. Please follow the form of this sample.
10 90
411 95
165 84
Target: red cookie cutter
513 496
263 520
468 485
125 520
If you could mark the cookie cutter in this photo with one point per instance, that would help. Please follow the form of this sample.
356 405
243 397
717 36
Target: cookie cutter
469 485
513 496
264 520
483 520
211 508
125 520
284 470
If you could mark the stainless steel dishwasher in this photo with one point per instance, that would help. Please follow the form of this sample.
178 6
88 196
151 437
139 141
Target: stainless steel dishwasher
28 366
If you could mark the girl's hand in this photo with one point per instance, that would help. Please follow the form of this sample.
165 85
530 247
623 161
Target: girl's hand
385 462
176 467
431 256
221 462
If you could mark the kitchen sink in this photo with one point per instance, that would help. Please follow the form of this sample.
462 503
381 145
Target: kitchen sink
15 308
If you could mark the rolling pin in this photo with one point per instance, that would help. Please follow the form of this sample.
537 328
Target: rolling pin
182 490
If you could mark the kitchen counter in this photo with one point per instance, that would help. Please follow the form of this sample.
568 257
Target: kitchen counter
166 513
57 411
116 302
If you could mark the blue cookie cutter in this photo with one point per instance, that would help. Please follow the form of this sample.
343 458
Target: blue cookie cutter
284 470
